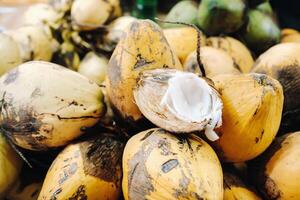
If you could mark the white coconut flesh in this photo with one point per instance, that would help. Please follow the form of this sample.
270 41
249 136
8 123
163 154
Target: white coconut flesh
190 99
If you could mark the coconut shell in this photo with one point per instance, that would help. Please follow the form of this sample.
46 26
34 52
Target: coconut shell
158 165
215 62
183 40
86 170
45 105
282 62
240 54
252 106
276 172
143 47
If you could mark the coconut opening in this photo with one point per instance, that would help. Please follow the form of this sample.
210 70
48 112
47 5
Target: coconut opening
190 99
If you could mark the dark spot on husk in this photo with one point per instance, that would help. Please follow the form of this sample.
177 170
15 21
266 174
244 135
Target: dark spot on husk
147 134
140 62
55 193
103 157
263 80
169 165
21 123
11 76
80 194
256 140
165 147
271 189
36 93
236 65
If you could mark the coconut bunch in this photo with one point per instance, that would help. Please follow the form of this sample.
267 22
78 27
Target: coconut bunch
253 22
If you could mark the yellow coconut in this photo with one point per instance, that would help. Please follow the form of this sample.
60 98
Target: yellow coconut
252 106
86 170
277 171
282 62
215 62
143 47
10 166
94 67
235 189
238 51
9 53
183 40
158 165
46 105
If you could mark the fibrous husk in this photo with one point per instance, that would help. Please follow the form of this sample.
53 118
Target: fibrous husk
143 47
276 172
158 165
179 102
251 115
238 51
282 62
86 170
9 53
215 62
94 67
183 40
45 105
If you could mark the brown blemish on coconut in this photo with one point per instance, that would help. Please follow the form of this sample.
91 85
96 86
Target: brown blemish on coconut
80 194
140 62
55 193
271 189
11 76
102 158
263 80
21 123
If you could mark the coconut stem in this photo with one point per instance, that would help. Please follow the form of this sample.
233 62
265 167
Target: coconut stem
201 66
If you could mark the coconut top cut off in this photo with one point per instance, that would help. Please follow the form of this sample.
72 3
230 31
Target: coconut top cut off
179 101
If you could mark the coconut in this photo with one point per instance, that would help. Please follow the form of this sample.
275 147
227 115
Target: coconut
46 105
92 14
41 14
86 170
251 115
94 67
183 11
261 31
143 47
282 62
158 165
221 16
277 171
290 35
33 42
9 53
116 30
178 101
235 188
183 40
240 54
10 166
215 62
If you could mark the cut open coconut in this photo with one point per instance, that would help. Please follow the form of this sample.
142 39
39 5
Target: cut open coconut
179 102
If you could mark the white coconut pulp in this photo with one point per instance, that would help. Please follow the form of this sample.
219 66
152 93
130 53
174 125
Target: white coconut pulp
184 98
